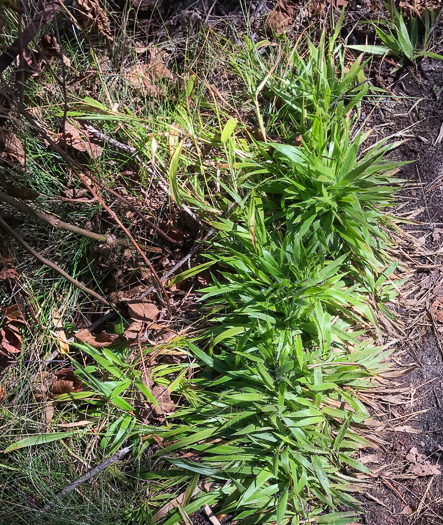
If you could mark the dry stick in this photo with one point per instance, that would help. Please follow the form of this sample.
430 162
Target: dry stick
158 285
77 168
93 472
57 223
52 265
25 38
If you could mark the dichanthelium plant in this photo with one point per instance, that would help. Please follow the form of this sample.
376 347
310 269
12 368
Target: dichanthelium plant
267 398
404 43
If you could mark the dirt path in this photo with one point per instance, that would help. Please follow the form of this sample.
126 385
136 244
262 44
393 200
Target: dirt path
416 400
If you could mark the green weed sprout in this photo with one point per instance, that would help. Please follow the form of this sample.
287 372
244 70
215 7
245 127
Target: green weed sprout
401 41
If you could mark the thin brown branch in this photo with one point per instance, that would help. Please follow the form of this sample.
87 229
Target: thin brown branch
158 285
51 264
26 37
57 223
93 472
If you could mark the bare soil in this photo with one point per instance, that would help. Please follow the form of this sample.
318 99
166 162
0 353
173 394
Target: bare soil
404 498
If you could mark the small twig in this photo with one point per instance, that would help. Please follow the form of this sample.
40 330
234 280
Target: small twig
158 285
52 265
210 515
93 472
57 223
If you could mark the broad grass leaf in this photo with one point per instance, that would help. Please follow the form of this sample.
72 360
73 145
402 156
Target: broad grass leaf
282 506
173 173
374 50
341 433
255 485
192 271
228 130
322 477
41 439
231 332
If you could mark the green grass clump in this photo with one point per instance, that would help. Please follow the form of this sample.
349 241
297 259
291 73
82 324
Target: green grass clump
268 409
406 42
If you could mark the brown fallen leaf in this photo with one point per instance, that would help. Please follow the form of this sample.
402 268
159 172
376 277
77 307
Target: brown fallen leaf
62 387
407 511
11 340
79 139
65 382
2 394
51 49
420 466
7 270
49 412
281 18
95 18
10 337
75 193
101 340
146 75
424 470
436 310
165 404
133 332
143 311
11 147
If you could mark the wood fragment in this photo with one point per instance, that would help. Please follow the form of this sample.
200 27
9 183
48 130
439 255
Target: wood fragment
93 472
57 223
51 264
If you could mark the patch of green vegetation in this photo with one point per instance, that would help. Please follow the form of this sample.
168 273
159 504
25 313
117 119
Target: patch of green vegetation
268 406
400 41
268 413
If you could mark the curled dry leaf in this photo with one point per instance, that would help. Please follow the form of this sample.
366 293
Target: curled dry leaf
79 139
407 511
436 310
145 75
65 382
7 270
165 403
94 17
49 411
143 311
420 466
11 147
100 340
51 49
134 331
281 18
10 337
